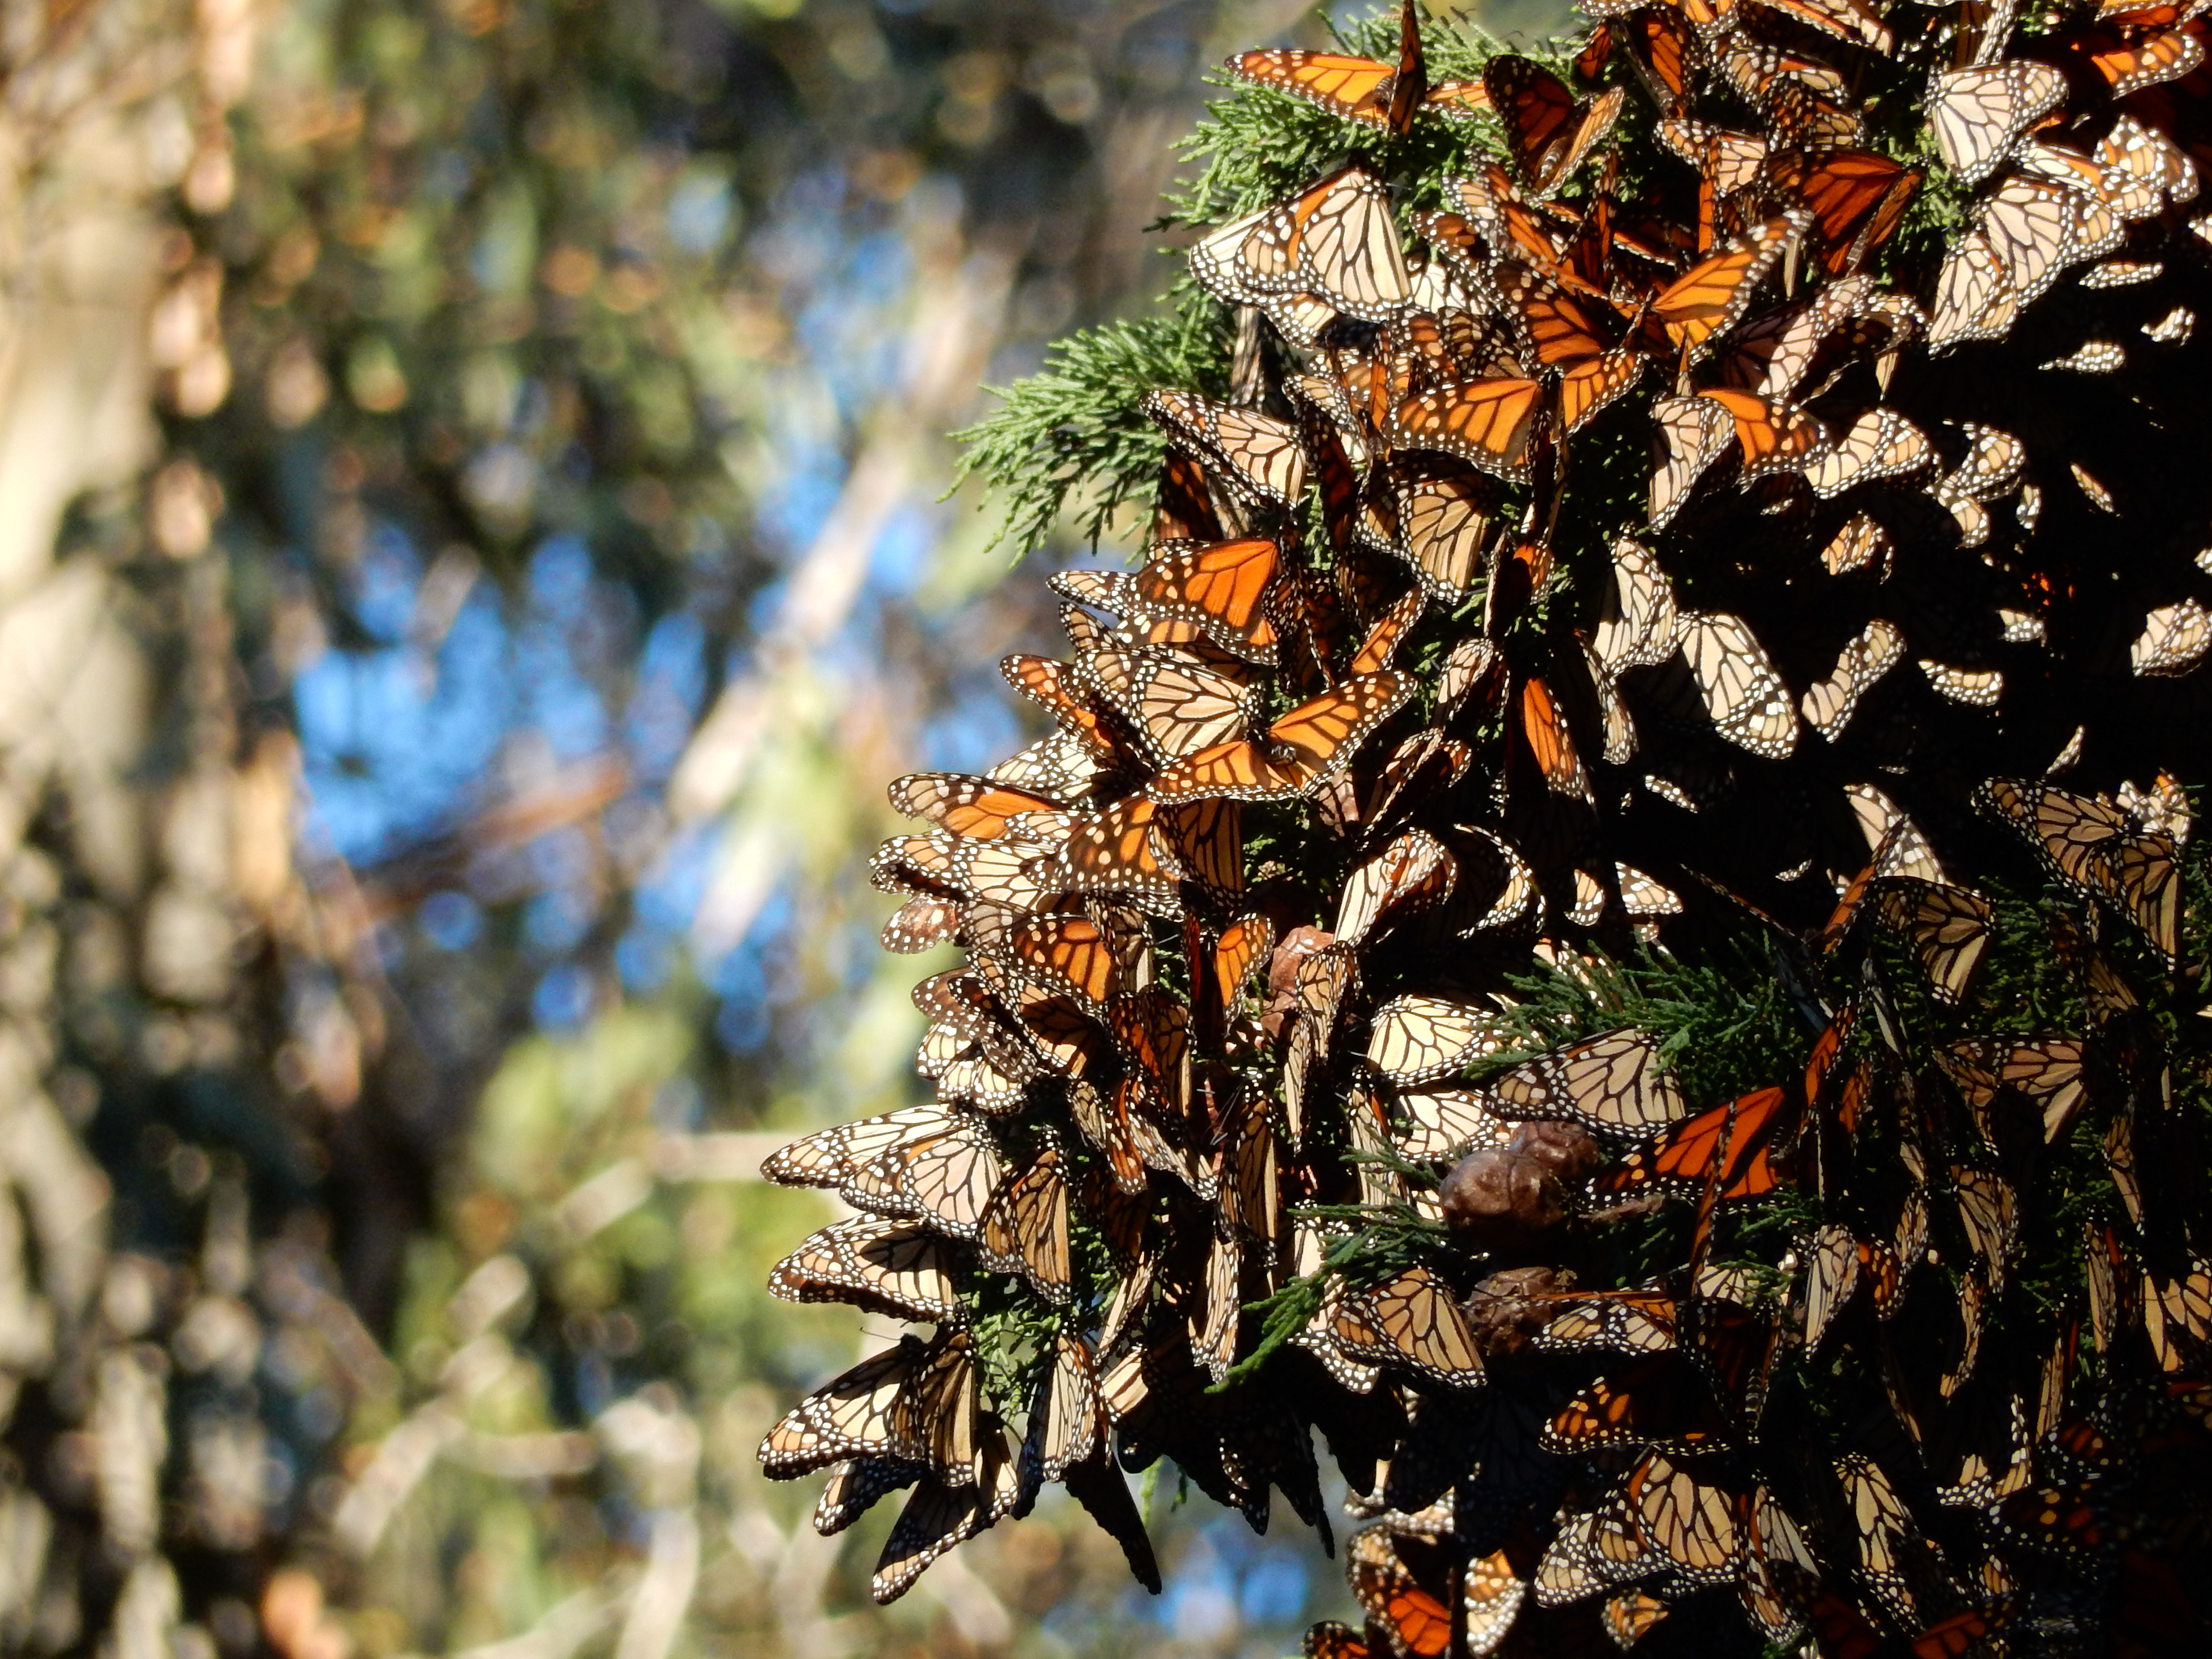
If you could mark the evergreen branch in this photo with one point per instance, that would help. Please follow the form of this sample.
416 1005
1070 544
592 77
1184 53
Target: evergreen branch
1073 429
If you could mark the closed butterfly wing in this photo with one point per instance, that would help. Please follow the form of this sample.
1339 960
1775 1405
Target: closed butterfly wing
1613 1083
1175 706
1880 444
1550 743
1978 113
827 1158
1446 511
1439 1124
1416 1039
940 1516
894 1268
1025 1230
1829 704
1947 928
1067 1420
1411 1322
1742 693
853 1415
1692 434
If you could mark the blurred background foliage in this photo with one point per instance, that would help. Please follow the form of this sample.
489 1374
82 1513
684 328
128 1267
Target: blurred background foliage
471 553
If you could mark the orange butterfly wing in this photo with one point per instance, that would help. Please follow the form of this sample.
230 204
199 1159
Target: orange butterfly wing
1550 743
1488 423
1223 583
1342 84
1711 297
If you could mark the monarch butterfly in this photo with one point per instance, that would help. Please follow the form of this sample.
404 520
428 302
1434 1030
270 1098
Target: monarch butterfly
1218 587
1151 1030
1857 199
1025 1230
2130 196
978 807
1829 705
2034 229
1628 1322
1119 850
857 1413
1066 1419
1730 161
855 1487
1301 749
923 921
1411 1322
1444 1123
1884 1530
1488 423
1412 873
1060 765
2173 328
1880 444
2150 60
1332 1640
1182 502
1074 953
1978 113
1550 743
1336 240
1975 297
1380 647
1214 1321
1946 927
893 1267
1417 1039
1774 438
1174 707
1418 1624
940 1514
1727 1148
1662 1402
1630 1615
1255 455
1987 1207
1445 511
1053 686
2144 153
1692 1523
947 1179
1726 674
2177 1316
1548 134
1861 544
1637 627
1692 434
1243 945
1360 88
1709 299
2093 848
828 1157
2174 639
1612 1083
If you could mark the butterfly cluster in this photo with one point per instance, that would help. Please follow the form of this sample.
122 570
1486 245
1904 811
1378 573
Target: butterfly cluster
1608 917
